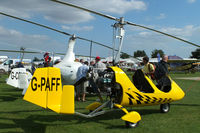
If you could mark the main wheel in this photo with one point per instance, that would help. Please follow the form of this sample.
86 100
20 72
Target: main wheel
2 71
131 125
164 108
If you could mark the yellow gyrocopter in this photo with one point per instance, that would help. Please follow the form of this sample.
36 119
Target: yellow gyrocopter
47 90
120 89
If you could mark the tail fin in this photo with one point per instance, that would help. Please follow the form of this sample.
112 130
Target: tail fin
45 90
18 78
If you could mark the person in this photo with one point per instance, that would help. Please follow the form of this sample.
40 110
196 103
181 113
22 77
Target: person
33 68
99 67
139 79
82 82
81 61
76 60
148 68
161 73
47 59
20 65
92 63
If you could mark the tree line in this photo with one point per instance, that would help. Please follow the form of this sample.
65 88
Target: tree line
142 53
154 54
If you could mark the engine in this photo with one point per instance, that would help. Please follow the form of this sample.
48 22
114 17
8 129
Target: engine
108 85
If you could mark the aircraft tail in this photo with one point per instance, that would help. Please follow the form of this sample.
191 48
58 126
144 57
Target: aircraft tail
18 78
45 90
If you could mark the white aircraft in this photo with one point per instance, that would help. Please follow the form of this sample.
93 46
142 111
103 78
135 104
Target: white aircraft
20 78
68 66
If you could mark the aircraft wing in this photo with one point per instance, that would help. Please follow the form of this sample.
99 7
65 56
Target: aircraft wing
183 61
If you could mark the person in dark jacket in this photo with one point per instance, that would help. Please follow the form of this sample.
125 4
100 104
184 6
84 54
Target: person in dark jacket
161 73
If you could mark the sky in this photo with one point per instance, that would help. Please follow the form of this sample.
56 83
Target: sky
176 17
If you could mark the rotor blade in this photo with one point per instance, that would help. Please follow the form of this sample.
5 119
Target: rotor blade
77 55
47 27
144 27
87 10
101 45
126 22
44 26
29 52
18 51
32 52
94 42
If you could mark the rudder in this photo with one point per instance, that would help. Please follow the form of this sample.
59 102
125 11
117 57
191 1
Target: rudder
45 90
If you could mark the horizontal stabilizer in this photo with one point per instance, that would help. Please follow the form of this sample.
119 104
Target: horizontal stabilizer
45 90
93 106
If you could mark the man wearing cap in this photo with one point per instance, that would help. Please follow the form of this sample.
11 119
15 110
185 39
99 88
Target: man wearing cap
47 59
99 67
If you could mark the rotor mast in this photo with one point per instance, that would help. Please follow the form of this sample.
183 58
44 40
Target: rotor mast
118 35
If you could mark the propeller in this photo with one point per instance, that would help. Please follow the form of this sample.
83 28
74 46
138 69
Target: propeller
125 22
56 30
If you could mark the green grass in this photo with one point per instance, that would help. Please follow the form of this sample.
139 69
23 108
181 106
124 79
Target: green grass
19 116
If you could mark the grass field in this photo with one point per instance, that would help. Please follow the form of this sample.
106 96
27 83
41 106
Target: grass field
19 116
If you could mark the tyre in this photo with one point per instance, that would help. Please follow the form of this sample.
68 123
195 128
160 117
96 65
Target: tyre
131 125
164 108
2 71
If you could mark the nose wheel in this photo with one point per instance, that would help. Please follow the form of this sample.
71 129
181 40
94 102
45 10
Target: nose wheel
164 108
131 125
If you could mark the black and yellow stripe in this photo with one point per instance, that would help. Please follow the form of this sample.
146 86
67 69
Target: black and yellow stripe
139 99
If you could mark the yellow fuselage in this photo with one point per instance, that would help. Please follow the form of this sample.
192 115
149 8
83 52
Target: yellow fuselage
131 96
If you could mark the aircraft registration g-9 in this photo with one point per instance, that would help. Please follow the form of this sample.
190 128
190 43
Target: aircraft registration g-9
47 91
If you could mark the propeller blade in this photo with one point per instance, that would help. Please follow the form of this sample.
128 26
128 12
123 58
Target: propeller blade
87 10
125 22
177 38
